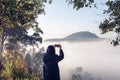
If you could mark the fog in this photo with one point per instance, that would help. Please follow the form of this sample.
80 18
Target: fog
99 58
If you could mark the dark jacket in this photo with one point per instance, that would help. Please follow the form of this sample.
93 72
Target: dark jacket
50 68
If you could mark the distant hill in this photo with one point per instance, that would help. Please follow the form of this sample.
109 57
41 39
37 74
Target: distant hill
78 36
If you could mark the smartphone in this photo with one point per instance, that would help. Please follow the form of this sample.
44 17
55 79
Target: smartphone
57 45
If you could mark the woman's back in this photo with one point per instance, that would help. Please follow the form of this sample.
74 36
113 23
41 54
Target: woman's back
50 68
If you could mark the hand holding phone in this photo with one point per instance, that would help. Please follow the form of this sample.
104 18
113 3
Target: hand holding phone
58 45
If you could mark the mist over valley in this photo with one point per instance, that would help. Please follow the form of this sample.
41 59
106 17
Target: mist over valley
98 58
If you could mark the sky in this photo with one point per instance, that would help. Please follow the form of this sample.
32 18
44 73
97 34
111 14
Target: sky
61 19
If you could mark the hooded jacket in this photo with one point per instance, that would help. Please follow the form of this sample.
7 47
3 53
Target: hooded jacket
50 68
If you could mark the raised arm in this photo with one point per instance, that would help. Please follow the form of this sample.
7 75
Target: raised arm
61 54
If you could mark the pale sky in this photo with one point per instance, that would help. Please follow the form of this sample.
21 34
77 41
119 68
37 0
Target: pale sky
61 19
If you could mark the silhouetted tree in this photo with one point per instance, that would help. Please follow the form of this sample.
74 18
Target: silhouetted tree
37 61
29 62
80 74
34 63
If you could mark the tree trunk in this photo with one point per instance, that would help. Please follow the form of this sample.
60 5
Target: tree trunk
2 44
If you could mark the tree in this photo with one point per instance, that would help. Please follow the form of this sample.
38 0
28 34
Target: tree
17 17
35 63
15 66
80 74
112 23
77 4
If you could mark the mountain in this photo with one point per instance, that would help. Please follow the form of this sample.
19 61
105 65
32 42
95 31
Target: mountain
78 36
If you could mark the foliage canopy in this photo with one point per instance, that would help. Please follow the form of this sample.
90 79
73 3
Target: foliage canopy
17 17
112 23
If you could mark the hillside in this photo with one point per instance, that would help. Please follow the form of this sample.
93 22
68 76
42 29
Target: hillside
78 36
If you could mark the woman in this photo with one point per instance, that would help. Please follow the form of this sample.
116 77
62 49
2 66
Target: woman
50 59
